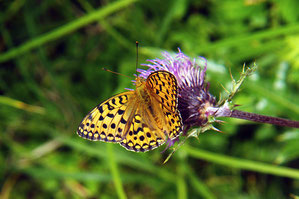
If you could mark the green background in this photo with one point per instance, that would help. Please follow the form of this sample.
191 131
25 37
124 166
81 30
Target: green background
51 59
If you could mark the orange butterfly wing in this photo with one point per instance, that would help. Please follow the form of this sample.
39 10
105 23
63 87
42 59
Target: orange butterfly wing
107 121
137 122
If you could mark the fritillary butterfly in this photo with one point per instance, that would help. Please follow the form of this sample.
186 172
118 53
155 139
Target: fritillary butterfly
139 120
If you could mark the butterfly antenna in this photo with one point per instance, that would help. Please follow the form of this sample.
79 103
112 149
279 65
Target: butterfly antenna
137 45
105 69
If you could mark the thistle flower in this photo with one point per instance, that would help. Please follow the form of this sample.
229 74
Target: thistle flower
194 99
196 105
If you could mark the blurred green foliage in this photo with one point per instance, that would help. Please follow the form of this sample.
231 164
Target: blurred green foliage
51 55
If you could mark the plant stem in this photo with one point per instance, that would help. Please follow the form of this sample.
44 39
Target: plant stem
264 119
242 163
115 173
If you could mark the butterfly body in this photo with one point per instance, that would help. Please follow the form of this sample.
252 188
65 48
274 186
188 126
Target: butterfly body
139 120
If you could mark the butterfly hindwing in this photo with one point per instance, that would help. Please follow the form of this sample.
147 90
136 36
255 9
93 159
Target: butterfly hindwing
140 136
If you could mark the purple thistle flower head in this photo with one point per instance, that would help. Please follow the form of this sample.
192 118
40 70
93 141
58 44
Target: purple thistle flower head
186 71
194 99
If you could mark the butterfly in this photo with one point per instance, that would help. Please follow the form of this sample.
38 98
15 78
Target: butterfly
140 120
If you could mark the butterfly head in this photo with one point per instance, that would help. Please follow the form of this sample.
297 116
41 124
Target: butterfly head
139 81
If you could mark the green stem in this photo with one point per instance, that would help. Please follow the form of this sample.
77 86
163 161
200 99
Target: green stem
181 187
66 29
21 105
236 41
108 27
200 187
242 163
181 180
114 172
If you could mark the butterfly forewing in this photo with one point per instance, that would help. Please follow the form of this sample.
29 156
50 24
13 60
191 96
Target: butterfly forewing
107 121
164 88
164 85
